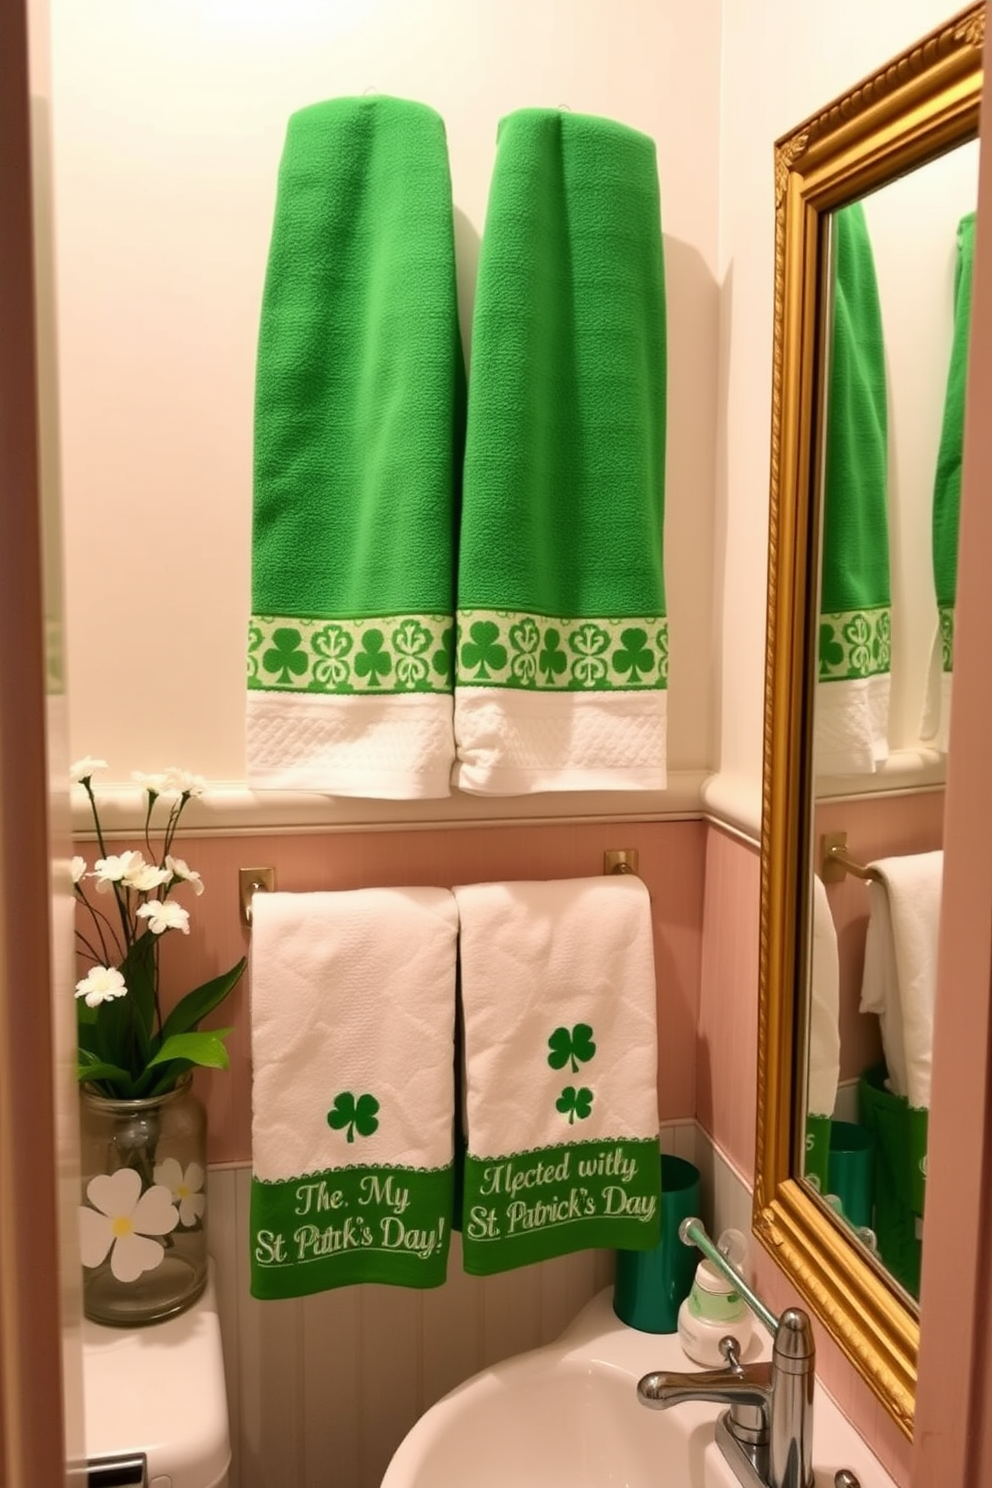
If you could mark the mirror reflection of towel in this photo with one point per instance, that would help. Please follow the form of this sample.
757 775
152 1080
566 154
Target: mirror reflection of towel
824 1012
852 702
900 971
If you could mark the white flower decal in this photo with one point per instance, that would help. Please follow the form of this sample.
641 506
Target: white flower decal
101 984
179 868
154 784
185 1187
122 1221
183 782
164 914
77 867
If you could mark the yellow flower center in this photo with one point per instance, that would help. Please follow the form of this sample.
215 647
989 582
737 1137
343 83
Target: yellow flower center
122 1226
182 1191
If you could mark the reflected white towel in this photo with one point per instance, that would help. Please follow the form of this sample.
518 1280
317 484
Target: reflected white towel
935 725
852 725
900 972
824 1015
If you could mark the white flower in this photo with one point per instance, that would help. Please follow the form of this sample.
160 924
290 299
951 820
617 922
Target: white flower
77 868
113 870
156 784
84 768
184 1187
183 782
101 984
164 914
121 1220
145 876
179 868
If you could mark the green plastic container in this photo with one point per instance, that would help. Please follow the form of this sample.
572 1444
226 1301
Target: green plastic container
900 1175
651 1285
851 1171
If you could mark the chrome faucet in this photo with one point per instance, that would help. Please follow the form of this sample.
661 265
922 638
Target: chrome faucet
766 1434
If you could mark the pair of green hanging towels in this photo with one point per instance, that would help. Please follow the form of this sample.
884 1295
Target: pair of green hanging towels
450 589
852 704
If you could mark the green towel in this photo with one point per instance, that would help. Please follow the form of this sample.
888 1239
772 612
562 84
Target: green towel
947 482
855 598
358 412
562 652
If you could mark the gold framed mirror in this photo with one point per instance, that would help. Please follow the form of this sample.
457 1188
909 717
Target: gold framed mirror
914 110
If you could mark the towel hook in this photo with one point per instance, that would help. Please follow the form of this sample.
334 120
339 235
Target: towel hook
836 862
620 860
253 881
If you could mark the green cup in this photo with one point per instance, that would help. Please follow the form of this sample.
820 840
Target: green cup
651 1285
851 1171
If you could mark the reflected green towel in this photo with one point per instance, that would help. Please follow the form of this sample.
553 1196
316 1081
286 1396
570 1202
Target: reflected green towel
358 432
855 597
947 482
560 573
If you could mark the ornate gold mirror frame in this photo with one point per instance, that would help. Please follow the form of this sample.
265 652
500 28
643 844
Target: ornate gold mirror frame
914 109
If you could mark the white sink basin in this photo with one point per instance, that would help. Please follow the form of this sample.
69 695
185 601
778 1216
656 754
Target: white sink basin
567 1416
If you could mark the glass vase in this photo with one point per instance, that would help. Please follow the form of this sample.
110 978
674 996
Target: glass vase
142 1221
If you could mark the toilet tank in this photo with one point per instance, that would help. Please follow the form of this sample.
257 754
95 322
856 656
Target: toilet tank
159 1392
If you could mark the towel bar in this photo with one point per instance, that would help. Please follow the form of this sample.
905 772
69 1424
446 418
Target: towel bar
252 881
836 862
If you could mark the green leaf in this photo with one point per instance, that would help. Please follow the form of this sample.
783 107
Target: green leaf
95 1069
199 1048
186 1014
140 971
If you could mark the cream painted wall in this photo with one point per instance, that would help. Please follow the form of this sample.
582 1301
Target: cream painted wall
782 60
169 122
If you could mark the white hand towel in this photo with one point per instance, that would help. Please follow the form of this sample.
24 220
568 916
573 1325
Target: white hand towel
561 1106
352 1006
824 1024
900 972
850 736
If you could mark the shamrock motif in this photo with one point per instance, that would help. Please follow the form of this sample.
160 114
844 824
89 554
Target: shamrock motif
575 1045
372 661
858 632
831 650
411 639
484 649
882 641
575 1103
635 656
444 659
588 642
525 639
552 659
286 658
332 644
350 1114
661 641
255 638
947 638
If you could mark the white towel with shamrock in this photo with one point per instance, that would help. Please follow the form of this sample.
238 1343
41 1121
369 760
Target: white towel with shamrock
352 1028
561 1102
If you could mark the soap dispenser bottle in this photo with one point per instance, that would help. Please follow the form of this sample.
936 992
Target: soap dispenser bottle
715 1309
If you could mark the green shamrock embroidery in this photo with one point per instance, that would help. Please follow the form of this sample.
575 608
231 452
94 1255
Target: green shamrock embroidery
881 647
552 659
255 638
575 1103
588 643
411 639
332 645
858 632
372 661
444 659
525 639
484 649
831 650
661 640
576 1046
947 638
354 1115
635 656
286 659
